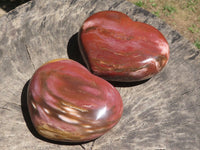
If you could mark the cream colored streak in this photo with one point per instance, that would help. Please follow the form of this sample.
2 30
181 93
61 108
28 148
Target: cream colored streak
152 60
72 112
34 106
73 107
68 120
47 111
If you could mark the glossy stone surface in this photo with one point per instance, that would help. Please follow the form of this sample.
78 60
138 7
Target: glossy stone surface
119 49
68 103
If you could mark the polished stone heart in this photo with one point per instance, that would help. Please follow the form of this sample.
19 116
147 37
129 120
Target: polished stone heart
67 103
118 49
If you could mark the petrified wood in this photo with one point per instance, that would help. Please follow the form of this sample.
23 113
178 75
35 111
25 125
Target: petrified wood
67 103
160 113
117 48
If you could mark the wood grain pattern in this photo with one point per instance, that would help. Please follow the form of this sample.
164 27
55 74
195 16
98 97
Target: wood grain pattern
67 103
161 113
117 48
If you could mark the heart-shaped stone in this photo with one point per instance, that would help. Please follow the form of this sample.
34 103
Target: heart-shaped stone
67 103
119 49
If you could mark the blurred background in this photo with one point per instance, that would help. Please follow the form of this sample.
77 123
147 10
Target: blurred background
182 15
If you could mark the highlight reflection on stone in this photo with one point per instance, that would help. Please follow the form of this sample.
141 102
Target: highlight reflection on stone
67 103
119 49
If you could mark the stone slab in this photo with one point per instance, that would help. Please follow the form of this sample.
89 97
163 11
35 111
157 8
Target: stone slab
161 113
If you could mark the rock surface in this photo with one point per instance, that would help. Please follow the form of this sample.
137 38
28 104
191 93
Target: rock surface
2 12
161 113
67 103
117 48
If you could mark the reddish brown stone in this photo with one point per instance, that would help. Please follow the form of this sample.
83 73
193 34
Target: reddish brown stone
68 103
119 49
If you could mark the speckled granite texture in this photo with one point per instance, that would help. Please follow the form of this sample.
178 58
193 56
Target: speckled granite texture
161 113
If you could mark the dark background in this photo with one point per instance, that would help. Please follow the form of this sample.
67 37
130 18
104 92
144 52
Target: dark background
8 5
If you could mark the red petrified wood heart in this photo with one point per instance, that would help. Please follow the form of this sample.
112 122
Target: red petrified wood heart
116 48
68 103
